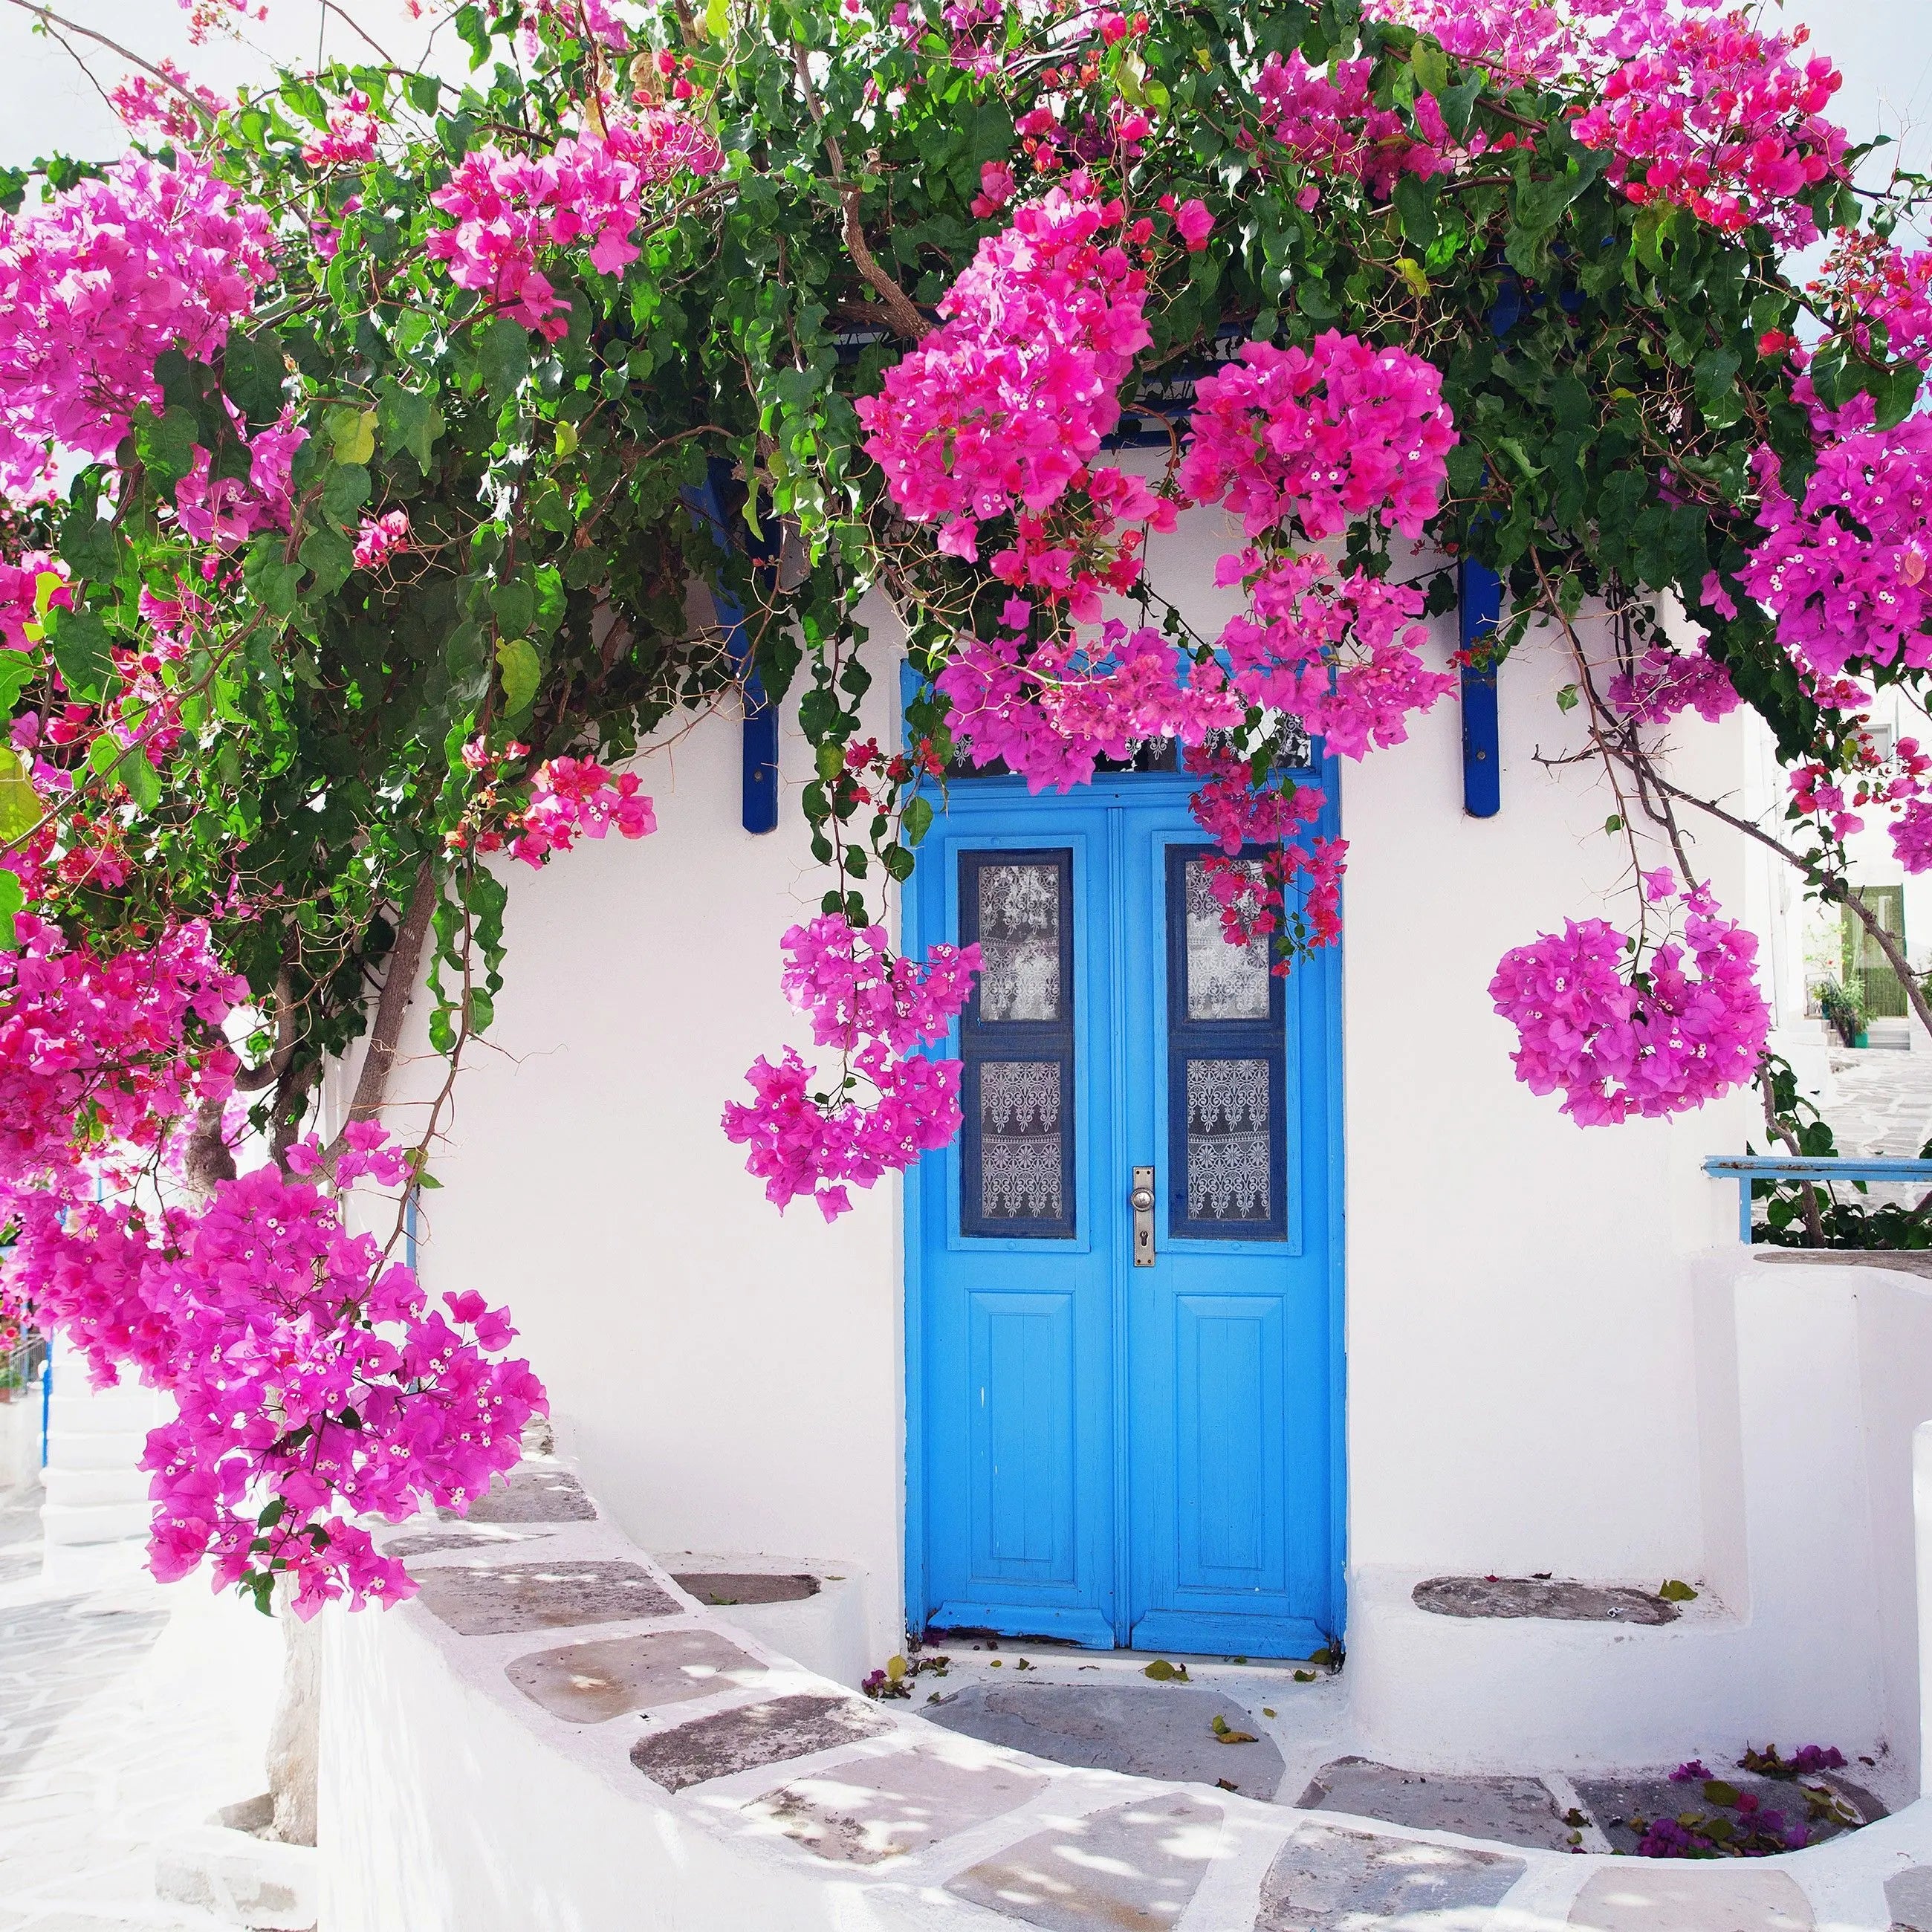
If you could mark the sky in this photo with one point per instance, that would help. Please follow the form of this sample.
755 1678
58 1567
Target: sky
1883 48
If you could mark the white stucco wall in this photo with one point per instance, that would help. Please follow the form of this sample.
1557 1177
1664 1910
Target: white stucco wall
1520 1366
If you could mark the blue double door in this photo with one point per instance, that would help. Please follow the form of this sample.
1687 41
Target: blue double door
1124 1430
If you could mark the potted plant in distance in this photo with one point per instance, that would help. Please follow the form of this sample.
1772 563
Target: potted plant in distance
1844 1010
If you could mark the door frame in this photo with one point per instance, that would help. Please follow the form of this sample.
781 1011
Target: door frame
1109 789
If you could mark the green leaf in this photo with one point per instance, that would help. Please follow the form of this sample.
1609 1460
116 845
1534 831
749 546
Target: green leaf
1718 1791
330 555
503 355
133 770
351 434
345 492
831 761
717 19
514 606
409 421
1415 204
1458 102
482 1009
1431 66
474 32
917 820
521 668
1567 699
19 804
1672 1591
272 580
79 641
16 672
424 90
88 544
252 374
165 444
13 899
1614 823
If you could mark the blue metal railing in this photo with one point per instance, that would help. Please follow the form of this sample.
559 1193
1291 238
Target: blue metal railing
1744 1168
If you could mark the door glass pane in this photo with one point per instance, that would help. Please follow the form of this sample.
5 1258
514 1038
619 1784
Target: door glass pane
1224 982
1016 1038
1019 943
1021 1160
1228 1161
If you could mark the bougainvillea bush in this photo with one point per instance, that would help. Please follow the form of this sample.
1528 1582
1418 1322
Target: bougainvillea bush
362 437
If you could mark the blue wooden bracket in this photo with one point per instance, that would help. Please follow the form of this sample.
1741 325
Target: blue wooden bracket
760 807
1479 600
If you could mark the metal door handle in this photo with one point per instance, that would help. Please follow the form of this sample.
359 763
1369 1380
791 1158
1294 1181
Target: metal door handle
1141 1201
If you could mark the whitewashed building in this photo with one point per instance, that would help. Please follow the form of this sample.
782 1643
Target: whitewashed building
1402 1319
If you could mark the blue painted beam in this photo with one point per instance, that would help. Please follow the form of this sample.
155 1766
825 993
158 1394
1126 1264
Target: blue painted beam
759 805
1480 601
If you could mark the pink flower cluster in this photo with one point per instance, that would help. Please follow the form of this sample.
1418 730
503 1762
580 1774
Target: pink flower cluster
1254 893
1326 118
1050 712
1007 402
1899 781
1619 1043
145 108
1322 435
877 1010
1340 652
312 1383
509 209
378 538
350 139
1844 573
573 798
19 597
227 511
93 1052
95 283
1716 116
1662 683
1868 280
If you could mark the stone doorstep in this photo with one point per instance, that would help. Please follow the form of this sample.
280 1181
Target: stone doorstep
241 1879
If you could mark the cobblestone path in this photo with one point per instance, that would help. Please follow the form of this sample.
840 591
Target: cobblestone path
126 1713
1883 1105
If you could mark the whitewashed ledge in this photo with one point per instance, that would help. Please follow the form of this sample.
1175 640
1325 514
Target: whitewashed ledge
553 1737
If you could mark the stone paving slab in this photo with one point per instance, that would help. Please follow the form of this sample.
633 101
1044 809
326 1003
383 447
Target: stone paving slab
1329 1879
1908 1895
757 1734
1541 1597
1615 1801
1132 1868
431 1542
1512 1810
734 1586
591 1683
886 1807
476 1601
1659 1895
1150 1730
533 1494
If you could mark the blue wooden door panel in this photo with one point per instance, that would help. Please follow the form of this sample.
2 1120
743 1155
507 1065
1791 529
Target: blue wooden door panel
1025 1471
1230 1506
1113 1454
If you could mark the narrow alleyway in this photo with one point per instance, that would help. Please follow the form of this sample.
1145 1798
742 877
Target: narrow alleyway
127 1713
1882 1105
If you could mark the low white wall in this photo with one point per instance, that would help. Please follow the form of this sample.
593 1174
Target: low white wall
1812 1379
